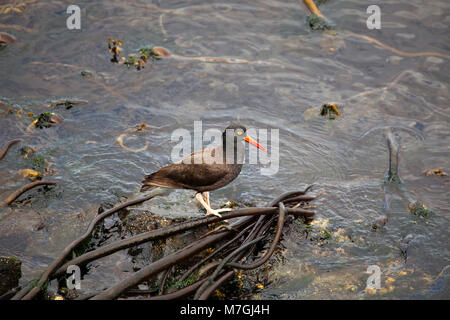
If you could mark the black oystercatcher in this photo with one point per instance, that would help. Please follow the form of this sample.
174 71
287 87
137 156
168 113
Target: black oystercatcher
207 169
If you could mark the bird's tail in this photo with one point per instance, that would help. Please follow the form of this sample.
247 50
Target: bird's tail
146 183
147 188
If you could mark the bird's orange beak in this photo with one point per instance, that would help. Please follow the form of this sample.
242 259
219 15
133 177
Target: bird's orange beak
254 142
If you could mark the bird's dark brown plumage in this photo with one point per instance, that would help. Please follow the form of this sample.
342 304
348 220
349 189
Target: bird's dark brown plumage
204 176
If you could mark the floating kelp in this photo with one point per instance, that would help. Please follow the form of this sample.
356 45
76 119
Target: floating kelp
313 8
317 21
23 189
396 51
233 249
138 128
5 149
6 38
435 172
66 103
15 6
157 53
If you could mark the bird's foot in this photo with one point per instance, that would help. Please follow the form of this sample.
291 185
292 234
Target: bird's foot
216 212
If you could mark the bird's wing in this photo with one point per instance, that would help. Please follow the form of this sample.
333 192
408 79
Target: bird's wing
209 155
186 176
199 169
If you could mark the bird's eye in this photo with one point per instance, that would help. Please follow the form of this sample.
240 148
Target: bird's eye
239 132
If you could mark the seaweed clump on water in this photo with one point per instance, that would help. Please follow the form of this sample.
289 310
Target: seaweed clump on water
47 119
317 23
139 60
115 48
419 209
144 55
330 110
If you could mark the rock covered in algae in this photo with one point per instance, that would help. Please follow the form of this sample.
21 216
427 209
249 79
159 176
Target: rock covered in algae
10 273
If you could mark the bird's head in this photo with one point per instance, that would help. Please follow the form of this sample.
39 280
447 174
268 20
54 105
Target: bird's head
238 132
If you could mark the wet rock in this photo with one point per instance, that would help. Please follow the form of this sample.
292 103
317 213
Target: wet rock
86 73
10 273
109 223
394 60
105 206
134 251
435 60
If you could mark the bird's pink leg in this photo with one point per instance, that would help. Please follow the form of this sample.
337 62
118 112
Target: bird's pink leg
209 210
206 197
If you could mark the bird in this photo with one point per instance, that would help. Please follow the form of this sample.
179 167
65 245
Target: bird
207 169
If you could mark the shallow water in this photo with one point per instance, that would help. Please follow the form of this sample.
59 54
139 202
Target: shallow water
345 159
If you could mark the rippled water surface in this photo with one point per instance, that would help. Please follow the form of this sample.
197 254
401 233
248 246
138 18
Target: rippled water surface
290 71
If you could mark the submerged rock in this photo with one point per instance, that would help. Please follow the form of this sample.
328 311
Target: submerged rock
10 273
